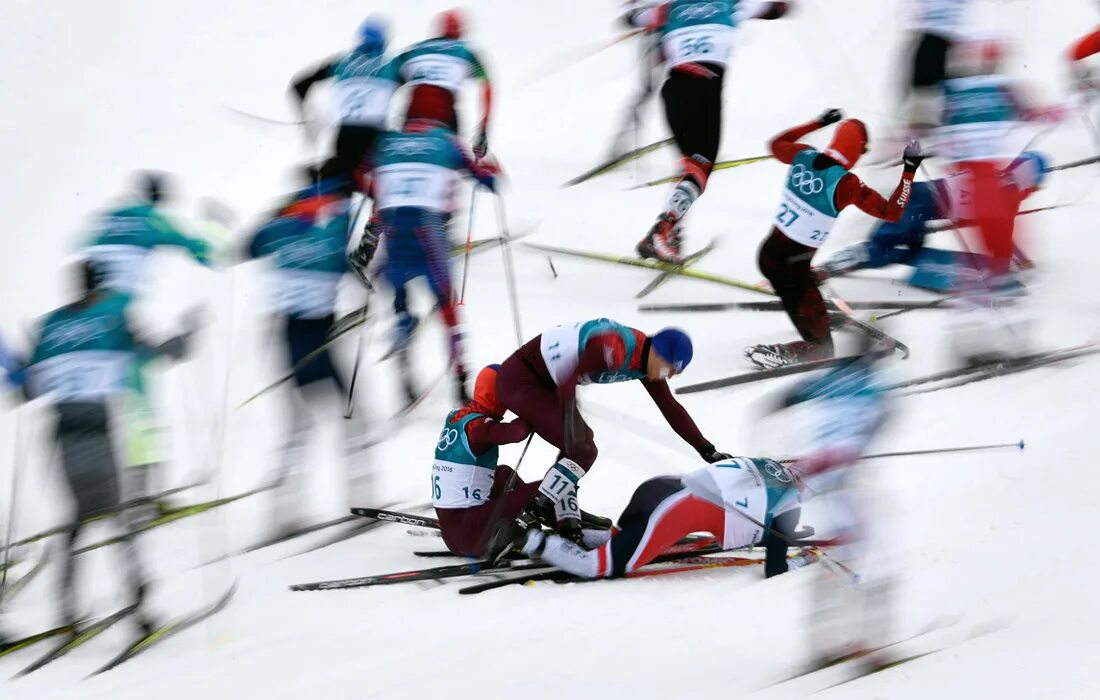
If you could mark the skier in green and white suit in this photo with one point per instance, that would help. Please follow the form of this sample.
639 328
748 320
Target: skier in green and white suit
119 249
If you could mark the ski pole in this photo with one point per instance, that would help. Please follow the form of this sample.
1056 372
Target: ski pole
509 267
939 450
930 305
469 245
20 420
363 338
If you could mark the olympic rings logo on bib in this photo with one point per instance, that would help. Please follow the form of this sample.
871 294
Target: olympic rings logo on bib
805 181
447 438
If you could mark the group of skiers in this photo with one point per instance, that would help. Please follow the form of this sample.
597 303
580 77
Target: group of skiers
89 359
89 356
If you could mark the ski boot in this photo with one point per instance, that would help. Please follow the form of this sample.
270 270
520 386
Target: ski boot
662 242
540 513
782 354
403 331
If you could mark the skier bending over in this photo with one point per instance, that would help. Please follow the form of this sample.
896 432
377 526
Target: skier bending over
539 383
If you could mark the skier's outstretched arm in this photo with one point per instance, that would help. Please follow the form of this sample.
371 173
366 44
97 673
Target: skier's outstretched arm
484 434
785 145
680 420
852 190
301 84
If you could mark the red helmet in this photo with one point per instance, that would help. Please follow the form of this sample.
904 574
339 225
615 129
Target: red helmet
450 24
849 142
485 391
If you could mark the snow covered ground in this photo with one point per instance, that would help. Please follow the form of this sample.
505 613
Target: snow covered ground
93 91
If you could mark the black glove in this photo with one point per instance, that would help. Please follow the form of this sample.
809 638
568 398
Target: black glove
912 156
481 143
830 116
712 455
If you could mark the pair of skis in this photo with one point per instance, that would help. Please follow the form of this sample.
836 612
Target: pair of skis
141 643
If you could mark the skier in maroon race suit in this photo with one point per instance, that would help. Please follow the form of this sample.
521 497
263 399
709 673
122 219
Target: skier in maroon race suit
539 382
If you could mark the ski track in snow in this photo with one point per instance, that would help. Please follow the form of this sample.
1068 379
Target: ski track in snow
93 91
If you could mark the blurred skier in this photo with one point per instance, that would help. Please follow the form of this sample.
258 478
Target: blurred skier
667 508
365 83
898 243
307 240
413 178
649 62
436 69
819 187
851 599
83 361
696 38
539 382
120 247
938 24
465 475
981 107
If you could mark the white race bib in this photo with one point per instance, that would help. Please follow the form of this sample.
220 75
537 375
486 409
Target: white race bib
92 375
457 485
438 69
560 348
121 265
307 293
702 43
414 185
364 101
801 222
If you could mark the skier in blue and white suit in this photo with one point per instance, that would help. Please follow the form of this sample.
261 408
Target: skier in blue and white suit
897 243
414 174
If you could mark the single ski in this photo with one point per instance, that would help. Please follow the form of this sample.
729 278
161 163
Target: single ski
82 636
654 265
14 645
666 276
762 374
430 574
357 527
393 516
683 564
618 161
720 165
903 305
168 630
991 370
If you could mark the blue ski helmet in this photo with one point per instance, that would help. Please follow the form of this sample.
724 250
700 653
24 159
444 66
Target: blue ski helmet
1029 170
373 36
674 347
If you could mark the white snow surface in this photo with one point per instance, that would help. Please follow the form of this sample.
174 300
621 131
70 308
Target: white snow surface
94 90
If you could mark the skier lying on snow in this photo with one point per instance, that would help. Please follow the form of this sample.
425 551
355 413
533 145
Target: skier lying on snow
897 243
724 499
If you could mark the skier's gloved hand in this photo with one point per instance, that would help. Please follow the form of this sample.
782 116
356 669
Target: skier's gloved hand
711 455
830 116
481 142
913 156
360 258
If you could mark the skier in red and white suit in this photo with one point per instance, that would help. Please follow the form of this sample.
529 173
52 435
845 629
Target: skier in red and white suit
730 499
819 186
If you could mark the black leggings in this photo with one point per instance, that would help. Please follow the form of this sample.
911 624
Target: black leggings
303 337
693 108
930 61
352 144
